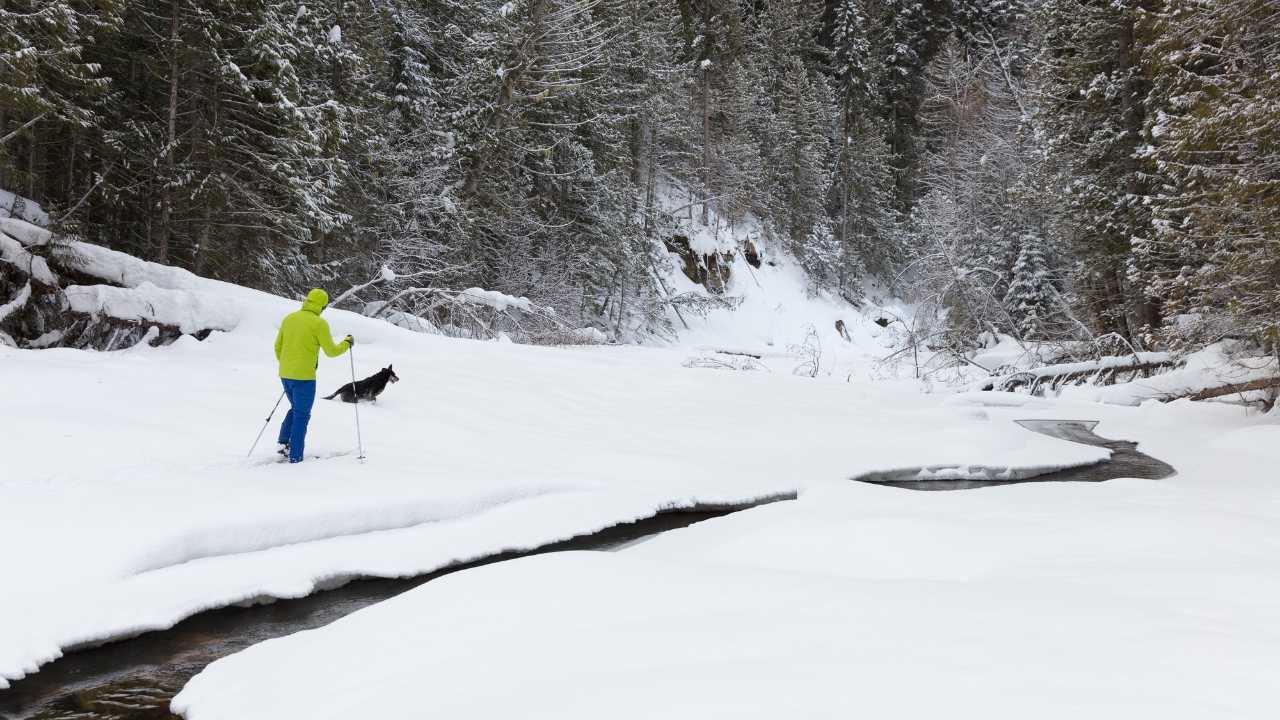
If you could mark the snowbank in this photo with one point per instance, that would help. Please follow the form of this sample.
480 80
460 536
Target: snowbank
127 504
131 506
1150 599
189 311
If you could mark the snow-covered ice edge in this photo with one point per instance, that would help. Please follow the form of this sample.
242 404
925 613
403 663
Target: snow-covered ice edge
1056 600
126 506
158 599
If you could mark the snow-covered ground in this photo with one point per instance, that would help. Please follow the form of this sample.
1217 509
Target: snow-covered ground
776 304
126 503
1130 598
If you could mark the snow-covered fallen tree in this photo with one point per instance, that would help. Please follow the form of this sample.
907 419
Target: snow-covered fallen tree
1103 371
410 300
1218 371
1222 370
16 206
480 314
58 292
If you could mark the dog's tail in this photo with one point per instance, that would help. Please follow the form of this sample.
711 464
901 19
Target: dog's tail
337 392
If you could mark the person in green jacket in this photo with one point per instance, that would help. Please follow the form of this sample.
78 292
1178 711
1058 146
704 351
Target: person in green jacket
302 335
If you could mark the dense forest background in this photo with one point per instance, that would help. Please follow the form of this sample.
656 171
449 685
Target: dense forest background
1048 169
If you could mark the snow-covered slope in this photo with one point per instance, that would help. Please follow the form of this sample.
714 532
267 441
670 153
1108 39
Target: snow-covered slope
777 308
1125 599
126 503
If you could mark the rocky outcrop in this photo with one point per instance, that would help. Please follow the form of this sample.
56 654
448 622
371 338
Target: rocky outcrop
70 294
711 271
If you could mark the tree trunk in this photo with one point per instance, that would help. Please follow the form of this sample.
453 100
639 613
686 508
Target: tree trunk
650 190
706 141
32 173
1233 389
171 139
200 253
73 143
497 119
1139 311
4 121
636 128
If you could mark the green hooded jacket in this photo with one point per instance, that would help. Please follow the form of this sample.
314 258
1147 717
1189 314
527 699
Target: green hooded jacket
302 335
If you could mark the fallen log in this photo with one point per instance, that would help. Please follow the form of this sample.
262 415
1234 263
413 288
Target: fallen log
1232 389
1103 371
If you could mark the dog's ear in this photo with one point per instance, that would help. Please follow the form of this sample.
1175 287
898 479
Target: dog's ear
389 368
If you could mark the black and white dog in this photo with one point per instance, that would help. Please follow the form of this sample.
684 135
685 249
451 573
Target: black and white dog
367 389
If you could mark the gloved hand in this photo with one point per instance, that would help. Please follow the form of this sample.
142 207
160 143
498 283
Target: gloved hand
351 342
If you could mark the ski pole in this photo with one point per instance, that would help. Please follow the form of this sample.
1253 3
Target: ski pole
265 424
355 403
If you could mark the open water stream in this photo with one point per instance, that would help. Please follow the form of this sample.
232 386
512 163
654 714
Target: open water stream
135 679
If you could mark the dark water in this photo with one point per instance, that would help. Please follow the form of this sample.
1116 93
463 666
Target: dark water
135 679
1125 462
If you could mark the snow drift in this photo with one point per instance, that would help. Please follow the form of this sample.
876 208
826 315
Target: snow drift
1058 600
131 506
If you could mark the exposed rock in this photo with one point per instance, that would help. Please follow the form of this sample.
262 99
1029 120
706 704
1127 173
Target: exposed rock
710 271
51 296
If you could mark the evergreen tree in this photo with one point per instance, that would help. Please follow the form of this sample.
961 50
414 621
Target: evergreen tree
1214 129
539 146
799 159
49 86
1030 299
1092 113
861 195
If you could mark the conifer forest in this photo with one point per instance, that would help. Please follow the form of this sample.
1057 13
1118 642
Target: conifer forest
1047 169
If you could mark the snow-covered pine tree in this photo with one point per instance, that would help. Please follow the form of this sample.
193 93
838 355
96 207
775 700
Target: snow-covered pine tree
714 44
208 167
340 44
1091 111
799 164
544 162
905 36
861 198
413 169
49 87
1214 126
974 159
1031 298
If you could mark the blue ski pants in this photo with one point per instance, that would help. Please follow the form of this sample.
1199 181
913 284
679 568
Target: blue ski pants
302 395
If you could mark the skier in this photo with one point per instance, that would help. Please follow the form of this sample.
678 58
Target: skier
302 335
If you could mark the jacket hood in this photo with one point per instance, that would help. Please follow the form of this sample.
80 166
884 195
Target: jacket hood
316 301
